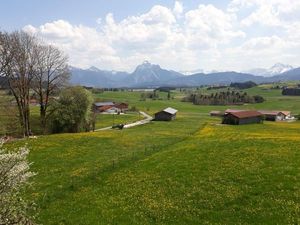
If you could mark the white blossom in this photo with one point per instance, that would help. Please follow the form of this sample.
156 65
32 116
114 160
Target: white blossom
14 176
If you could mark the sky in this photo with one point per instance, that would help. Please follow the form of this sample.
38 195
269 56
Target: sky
182 35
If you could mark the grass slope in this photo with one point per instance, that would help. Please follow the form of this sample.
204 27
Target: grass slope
189 171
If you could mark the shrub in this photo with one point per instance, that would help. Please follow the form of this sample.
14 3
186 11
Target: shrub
72 111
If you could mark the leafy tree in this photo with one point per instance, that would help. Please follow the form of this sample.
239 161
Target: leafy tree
14 177
72 111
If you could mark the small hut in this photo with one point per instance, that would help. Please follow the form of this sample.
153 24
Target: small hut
167 114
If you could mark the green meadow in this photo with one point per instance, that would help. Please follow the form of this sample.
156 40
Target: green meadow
189 171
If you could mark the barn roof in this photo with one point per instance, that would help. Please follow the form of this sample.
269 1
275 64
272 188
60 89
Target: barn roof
245 114
286 113
271 113
170 110
98 104
106 107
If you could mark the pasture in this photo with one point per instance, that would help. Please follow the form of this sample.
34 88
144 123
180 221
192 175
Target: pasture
189 171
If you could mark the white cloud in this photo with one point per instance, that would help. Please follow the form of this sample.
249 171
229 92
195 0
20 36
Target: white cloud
208 25
182 39
266 12
178 8
256 45
266 15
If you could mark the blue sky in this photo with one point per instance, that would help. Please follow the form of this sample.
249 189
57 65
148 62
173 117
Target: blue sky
15 14
180 35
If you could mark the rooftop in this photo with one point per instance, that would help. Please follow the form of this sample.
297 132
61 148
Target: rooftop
98 104
245 114
274 113
170 110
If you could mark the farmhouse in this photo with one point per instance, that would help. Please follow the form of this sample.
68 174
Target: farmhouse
167 114
123 107
275 115
242 117
110 107
102 106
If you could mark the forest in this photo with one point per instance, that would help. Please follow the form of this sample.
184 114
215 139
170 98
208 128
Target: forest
223 98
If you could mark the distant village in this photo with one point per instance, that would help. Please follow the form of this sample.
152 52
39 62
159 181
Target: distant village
239 117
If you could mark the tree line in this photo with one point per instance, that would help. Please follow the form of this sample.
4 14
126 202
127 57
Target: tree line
223 98
243 85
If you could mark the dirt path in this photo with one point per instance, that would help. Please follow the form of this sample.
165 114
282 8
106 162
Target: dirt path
147 119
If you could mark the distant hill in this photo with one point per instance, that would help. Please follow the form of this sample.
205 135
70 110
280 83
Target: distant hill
215 78
150 75
97 78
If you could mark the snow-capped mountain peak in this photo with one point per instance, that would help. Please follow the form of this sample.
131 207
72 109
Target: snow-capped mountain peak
146 65
276 69
279 68
94 69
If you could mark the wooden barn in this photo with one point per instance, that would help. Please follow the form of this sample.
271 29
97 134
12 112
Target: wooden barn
123 107
242 117
167 114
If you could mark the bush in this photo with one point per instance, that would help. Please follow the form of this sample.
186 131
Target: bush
72 111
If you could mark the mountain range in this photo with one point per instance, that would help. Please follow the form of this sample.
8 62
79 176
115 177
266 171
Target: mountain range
148 75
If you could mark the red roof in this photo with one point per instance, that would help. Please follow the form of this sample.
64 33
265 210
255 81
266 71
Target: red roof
286 113
271 113
105 107
122 105
245 114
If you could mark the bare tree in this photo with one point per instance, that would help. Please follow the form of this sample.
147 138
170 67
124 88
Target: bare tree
17 56
51 74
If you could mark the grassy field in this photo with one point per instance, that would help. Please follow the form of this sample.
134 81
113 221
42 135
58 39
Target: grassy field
189 171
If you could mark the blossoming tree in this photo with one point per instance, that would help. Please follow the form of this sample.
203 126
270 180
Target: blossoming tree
14 177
